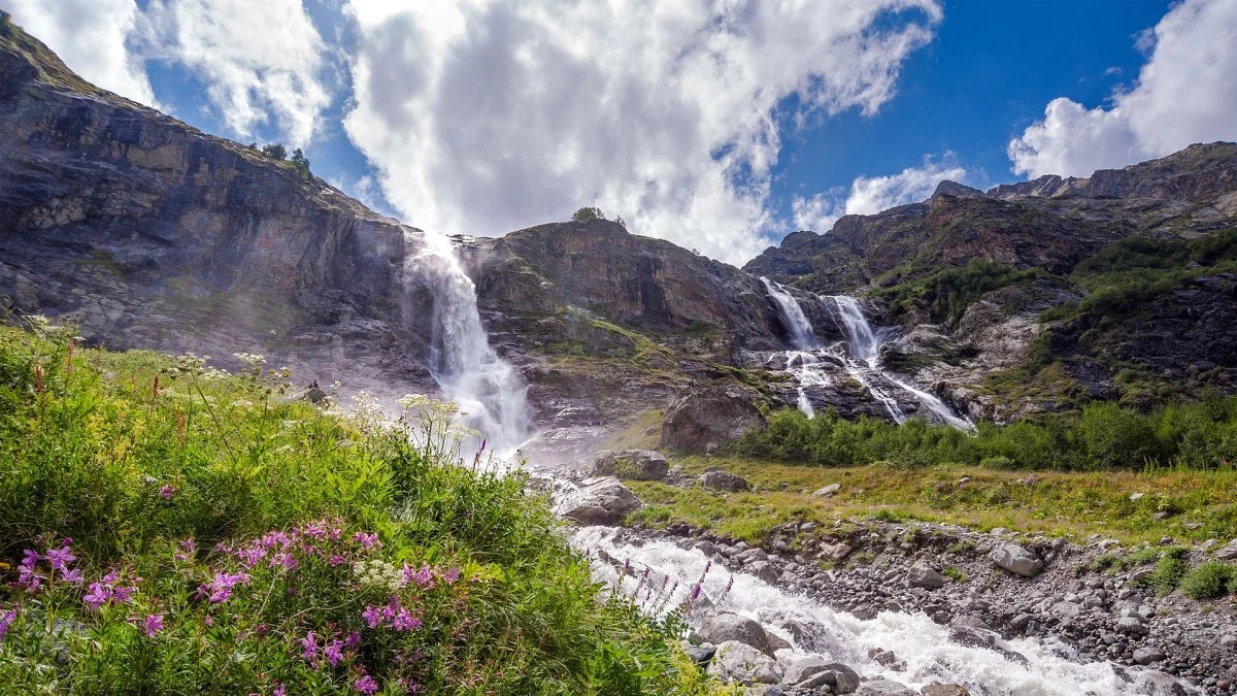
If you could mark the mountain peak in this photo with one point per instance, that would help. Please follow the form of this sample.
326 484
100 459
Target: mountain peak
957 190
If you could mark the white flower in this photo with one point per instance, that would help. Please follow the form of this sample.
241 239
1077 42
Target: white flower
251 359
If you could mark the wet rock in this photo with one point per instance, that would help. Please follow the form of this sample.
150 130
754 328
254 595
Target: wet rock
944 690
600 501
724 627
724 481
700 654
1016 559
765 571
313 395
631 465
1146 656
801 669
838 677
710 417
741 663
884 687
921 575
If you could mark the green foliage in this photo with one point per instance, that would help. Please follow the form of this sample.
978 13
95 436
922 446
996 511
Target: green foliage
946 294
301 164
1208 581
1101 436
275 151
1168 571
588 215
168 472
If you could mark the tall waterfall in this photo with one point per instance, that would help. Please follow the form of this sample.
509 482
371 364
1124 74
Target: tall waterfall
802 335
469 372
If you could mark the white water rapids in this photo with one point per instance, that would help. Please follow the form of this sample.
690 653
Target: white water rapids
929 652
470 372
860 357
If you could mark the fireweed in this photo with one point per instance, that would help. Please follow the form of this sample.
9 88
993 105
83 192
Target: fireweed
170 527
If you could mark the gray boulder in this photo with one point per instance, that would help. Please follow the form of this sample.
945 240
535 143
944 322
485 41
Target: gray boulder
724 481
838 677
600 501
1227 552
741 663
765 571
724 627
803 668
884 687
1016 559
921 575
944 690
828 491
631 465
709 417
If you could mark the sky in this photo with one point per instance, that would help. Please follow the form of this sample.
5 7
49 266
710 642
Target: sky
720 125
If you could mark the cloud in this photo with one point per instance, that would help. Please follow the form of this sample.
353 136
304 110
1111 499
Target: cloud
870 195
91 37
483 116
261 62
1186 92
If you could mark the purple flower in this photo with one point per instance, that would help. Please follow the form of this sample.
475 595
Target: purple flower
167 492
72 575
373 616
27 578
310 645
451 575
187 549
30 558
97 595
285 559
696 592
352 641
423 578
366 685
6 620
220 589
334 652
404 620
122 595
279 691
152 624
369 541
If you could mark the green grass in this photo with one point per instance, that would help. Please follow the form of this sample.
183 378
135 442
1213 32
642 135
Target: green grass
1055 503
162 472
1208 581
946 294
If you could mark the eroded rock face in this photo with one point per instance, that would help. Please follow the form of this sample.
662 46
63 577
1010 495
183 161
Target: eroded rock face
600 501
704 419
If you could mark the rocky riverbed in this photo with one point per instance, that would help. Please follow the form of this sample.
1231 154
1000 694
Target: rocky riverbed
996 592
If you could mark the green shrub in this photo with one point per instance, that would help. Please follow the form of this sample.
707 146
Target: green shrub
275 151
1167 573
588 214
1208 581
946 294
301 164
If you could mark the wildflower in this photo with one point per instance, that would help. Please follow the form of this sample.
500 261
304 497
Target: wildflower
122 595
373 616
451 575
285 559
27 578
220 588
6 620
279 691
404 621
310 647
30 558
152 624
423 578
696 592
167 491
97 594
368 541
352 641
72 575
334 652
187 549
60 558
366 685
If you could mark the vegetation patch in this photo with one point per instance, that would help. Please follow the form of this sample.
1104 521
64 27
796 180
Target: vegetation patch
945 295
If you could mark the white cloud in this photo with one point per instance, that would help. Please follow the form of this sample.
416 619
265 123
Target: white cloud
483 116
1185 93
261 62
90 36
869 195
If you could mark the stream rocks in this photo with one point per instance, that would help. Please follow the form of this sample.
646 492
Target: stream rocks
725 627
599 501
631 465
741 663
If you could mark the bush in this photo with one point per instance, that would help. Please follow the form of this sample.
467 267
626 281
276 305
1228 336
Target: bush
588 215
946 294
275 151
1208 581
227 538
1168 572
301 164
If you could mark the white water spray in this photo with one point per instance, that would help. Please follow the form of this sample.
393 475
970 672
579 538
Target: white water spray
929 651
467 369
802 335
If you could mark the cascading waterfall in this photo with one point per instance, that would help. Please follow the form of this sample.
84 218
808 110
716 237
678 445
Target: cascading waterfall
801 362
467 369
929 651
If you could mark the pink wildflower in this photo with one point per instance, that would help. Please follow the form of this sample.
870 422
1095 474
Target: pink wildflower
403 620
334 652
97 595
279 691
366 685
60 558
310 645
30 558
369 541
72 575
373 616
352 641
122 595
6 620
152 624
167 492
451 575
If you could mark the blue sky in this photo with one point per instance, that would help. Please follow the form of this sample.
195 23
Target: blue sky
720 126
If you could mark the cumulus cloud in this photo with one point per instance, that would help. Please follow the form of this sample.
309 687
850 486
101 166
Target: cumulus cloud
482 116
869 195
261 62
92 37
1185 93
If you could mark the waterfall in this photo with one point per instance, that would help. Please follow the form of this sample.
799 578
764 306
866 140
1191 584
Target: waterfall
468 370
930 651
859 336
802 335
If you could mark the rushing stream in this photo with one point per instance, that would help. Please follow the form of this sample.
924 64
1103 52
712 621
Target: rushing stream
491 391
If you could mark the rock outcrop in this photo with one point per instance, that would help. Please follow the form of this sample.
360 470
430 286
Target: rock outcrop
707 418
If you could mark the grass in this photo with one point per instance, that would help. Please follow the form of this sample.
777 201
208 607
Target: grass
1073 504
170 528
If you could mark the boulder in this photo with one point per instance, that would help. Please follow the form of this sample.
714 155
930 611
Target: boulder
765 571
838 677
884 687
709 417
921 575
700 654
725 626
944 690
1228 552
828 491
803 668
724 481
738 662
836 552
1145 656
600 501
1016 559
631 465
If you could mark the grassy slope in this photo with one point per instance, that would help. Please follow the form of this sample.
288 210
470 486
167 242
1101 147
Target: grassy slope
133 461
1057 503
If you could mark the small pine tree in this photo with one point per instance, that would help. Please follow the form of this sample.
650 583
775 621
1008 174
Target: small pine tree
275 151
588 215
301 163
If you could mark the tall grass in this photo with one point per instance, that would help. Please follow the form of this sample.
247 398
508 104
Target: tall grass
167 528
